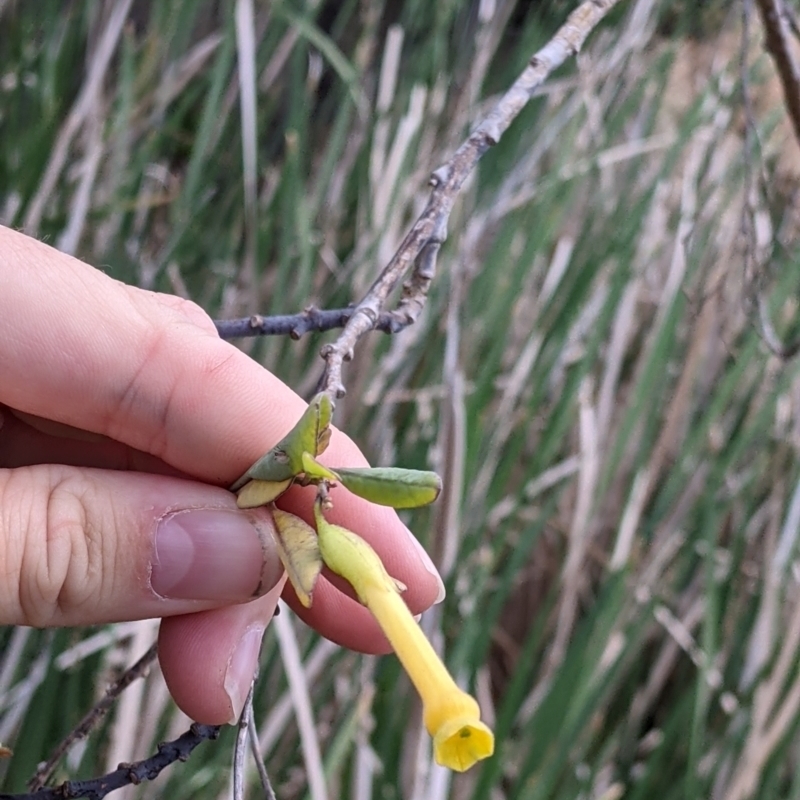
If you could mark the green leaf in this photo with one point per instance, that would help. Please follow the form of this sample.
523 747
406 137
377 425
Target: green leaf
392 486
311 434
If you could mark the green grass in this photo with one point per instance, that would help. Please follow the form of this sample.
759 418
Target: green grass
626 444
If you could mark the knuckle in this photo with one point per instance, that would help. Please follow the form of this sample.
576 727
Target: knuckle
56 553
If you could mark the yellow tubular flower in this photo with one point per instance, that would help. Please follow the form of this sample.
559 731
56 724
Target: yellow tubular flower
451 716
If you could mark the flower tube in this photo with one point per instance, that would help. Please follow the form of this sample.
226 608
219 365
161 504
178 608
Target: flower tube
451 716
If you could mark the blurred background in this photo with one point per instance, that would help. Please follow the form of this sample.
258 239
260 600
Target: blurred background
619 446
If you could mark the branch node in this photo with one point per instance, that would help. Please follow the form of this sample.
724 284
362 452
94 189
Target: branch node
440 176
491 133
133 775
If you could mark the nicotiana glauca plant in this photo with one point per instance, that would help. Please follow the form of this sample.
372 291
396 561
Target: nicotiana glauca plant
451 716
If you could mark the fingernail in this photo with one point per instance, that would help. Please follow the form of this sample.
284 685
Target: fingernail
429 567
212 554
241 670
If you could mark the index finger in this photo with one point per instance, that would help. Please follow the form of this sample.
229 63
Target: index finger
83 349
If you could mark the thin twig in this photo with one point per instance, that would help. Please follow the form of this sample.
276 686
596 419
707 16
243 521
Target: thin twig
266 785
296 325
93 717
778 33
240 748
420 247
126 774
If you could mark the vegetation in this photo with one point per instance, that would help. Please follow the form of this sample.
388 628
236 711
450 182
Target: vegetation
618 528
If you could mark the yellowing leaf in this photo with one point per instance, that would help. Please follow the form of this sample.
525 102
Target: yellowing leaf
261 493
323 440
323 423
299 551
392 486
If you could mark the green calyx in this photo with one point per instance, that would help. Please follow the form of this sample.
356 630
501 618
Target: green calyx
294 459
283 462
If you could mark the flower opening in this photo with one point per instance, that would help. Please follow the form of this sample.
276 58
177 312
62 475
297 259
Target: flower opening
461 742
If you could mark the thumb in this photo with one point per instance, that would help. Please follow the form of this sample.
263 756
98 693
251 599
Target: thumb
86 546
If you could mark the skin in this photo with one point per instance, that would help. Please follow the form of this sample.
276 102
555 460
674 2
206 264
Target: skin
114 402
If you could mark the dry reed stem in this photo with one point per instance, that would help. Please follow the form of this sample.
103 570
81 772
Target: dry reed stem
299 688
17 699
246 48
125 740
87 99
774 712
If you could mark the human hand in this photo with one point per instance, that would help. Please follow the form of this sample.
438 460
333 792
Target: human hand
122 416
